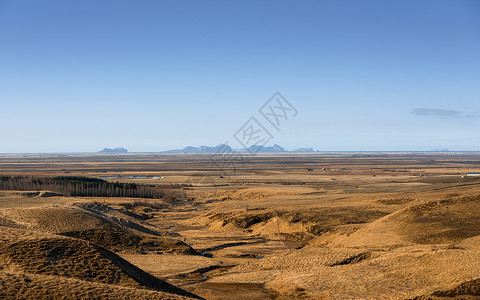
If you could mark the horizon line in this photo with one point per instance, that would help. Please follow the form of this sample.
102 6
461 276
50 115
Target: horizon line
247 152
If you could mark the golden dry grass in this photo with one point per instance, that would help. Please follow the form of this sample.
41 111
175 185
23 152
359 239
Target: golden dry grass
356 227
28 252
100 224
16 285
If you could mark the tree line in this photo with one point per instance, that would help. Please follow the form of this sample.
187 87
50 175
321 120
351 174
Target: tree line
88 187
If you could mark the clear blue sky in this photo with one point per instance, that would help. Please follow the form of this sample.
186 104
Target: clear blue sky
77 76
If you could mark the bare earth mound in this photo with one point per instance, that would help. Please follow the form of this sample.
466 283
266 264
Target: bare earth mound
32 286
23 252
97 223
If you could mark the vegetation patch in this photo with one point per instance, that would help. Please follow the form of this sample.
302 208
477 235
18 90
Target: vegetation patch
87 187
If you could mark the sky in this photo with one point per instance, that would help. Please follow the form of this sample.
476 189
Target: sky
78 76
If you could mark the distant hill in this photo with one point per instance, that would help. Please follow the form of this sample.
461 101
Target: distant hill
258 148
116 150
222 148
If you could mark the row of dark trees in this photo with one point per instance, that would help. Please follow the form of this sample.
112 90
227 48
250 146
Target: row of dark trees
87 187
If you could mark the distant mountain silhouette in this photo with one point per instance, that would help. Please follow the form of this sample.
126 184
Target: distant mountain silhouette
222 148
258 148
116 150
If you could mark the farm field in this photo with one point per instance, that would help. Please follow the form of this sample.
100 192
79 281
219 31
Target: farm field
272 226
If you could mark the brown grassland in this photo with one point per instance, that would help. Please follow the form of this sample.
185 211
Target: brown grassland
286 226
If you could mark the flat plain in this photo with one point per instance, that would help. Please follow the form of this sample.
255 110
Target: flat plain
284 226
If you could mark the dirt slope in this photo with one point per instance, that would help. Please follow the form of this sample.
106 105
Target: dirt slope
23 251
32 286
426 249
100 224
